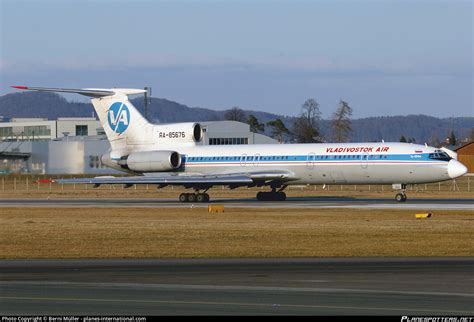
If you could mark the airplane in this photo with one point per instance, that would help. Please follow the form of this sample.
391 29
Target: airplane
169 154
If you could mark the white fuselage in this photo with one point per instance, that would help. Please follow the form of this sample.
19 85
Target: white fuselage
342 163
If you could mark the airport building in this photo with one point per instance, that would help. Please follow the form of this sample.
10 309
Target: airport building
466 155
34 129
74 145
231 132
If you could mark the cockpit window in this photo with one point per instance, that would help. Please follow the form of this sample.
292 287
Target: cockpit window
439 155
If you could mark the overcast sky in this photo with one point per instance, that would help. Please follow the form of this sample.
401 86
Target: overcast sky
383 57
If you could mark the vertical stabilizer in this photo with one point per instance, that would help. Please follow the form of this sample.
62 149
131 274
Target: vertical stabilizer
124 126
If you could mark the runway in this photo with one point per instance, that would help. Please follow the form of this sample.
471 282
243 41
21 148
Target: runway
388 286
308 202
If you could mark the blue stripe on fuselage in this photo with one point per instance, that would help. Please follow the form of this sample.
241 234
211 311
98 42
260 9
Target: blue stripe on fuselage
310 158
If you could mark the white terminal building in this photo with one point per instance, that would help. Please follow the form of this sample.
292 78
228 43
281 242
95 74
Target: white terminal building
75 145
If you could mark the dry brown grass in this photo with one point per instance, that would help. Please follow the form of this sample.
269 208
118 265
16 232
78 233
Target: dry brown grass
192 233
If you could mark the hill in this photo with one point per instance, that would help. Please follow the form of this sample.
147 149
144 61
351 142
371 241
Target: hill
389 128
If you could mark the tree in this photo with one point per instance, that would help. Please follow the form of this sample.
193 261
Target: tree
341 122
278 129
306 126
235 114
452 139
403 139
255 126
434 140
471 135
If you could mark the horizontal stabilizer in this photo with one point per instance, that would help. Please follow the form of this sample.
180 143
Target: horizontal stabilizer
90 92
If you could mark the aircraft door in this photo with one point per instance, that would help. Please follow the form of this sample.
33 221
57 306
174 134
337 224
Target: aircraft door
310 158
256 159
243 159
364 158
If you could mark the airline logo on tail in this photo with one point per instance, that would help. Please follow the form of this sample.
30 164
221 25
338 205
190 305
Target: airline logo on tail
118 117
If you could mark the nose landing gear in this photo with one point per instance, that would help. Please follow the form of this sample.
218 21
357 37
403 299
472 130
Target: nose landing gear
401 197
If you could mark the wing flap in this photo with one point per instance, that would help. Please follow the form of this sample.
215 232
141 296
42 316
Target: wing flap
270 175
234 179
178 180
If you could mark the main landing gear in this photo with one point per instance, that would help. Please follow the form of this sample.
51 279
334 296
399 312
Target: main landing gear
401 197
194 197
272 195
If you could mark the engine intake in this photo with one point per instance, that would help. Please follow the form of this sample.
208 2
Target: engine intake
154 161
197 132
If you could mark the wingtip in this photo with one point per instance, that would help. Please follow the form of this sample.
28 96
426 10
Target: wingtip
45 181
20 87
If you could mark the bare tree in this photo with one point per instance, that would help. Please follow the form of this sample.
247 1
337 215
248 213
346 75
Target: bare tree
434 140
341 122
306 126
235 114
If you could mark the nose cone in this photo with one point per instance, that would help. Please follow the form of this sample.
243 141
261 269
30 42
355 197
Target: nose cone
456 169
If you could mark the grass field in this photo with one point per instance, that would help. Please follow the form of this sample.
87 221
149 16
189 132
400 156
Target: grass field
194 233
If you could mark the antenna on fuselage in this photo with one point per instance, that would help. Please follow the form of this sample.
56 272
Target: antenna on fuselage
147 100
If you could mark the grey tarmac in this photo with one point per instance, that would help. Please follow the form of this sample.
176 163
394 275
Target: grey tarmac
308 202
324 286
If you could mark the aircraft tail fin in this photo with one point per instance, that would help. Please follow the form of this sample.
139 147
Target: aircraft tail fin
124 126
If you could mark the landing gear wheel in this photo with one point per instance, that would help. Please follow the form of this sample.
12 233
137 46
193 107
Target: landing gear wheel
271 196
191 197
400 197
202 197
183 197
281 196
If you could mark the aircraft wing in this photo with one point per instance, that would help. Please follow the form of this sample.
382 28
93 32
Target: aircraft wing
232 180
